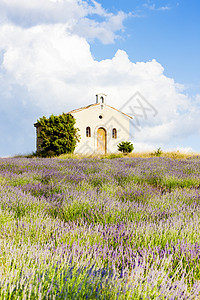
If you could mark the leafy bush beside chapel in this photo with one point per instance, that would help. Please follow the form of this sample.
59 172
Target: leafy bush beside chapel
57 135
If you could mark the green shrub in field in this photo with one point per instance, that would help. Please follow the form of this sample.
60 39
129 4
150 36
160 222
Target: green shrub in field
158 152
125 147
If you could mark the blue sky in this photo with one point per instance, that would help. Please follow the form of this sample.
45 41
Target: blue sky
56 55
171 36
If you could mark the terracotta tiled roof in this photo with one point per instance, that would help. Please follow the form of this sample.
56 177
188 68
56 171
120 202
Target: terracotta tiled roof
88 106
120 111
96 104
82 108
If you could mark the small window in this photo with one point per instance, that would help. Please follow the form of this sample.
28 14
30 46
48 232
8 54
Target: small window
114 133
88 132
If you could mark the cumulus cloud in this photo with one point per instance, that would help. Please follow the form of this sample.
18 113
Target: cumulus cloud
105 32
79 17
44 59
48 67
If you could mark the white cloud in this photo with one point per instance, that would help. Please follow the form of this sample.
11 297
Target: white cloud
79 17
47 68
152 6
149 6
164 8
104 31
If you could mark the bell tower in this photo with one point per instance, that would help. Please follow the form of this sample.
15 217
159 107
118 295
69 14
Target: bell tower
101 98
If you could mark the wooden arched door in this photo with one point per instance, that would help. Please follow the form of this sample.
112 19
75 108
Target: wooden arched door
101 140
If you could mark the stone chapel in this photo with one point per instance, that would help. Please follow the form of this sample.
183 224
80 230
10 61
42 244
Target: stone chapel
102 127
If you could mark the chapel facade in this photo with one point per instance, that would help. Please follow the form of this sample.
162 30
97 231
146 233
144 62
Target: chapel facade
102 127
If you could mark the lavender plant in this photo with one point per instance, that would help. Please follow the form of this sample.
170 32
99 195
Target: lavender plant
121 228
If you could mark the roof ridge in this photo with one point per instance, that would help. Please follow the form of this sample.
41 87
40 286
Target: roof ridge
81 108
85 107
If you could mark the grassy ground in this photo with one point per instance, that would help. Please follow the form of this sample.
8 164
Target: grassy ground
173 155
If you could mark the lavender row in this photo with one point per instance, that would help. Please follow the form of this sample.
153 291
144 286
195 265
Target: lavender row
85 229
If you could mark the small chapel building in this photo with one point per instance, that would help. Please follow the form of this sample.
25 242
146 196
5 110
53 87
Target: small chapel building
102 127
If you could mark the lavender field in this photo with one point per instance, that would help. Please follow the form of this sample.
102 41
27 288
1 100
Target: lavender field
123 228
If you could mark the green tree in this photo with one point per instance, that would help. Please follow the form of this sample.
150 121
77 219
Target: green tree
125 147
58 134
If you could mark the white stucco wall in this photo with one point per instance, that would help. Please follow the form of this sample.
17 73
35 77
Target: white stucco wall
111 118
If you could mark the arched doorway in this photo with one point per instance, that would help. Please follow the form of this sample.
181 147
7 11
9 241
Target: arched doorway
101 140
